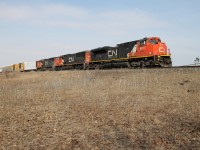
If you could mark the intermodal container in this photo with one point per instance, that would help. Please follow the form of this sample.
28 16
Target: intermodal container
29 66
7 68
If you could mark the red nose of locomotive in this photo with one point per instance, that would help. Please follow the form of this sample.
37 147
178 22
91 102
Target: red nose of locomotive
163 54
162 49
159 48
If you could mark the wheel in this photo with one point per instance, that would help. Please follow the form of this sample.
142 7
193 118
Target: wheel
129 65
97 67
86 66
142 64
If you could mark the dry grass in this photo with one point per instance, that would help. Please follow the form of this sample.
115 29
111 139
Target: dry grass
106 109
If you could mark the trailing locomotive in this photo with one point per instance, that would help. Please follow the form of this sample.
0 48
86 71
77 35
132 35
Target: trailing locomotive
146 52
78 60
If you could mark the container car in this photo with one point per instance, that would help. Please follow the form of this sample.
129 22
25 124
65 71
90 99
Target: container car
8 68
18 67
29 66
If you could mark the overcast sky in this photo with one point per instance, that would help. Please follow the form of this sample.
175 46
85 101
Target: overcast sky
34 29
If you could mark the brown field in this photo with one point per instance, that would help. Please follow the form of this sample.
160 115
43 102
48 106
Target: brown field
100 110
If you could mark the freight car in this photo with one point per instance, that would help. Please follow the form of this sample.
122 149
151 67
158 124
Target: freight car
18 67
8 68
29 66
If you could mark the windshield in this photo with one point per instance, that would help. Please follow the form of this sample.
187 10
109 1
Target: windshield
153 41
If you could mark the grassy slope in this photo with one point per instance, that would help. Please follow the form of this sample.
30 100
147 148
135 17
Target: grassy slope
106 109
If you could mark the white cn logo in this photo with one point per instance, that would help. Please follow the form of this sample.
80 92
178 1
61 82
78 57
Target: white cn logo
71 59
112 53
161 50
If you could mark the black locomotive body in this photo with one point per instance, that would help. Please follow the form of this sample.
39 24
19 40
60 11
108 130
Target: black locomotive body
74 60
108 57
47 64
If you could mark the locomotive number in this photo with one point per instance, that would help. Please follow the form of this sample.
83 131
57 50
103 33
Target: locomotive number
112 53
71 59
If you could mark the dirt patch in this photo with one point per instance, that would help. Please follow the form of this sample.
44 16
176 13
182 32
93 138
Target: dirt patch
105 109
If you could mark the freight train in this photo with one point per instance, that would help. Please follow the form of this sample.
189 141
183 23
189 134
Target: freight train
146 52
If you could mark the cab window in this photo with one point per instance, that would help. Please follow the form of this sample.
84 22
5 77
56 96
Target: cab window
153 41
143 42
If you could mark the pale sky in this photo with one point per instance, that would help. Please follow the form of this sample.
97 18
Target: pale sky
34 29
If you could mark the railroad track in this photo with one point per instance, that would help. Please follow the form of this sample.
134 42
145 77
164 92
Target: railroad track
186 66
153 68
